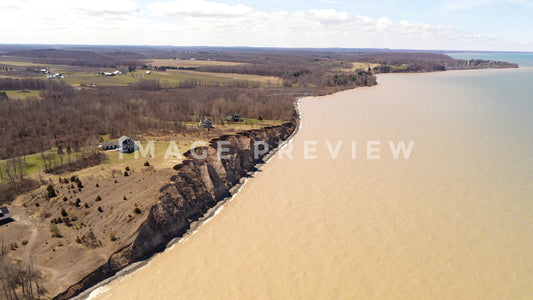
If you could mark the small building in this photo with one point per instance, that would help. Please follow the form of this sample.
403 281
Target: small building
5 215
124 144
148 72
206 123
234 118
55 76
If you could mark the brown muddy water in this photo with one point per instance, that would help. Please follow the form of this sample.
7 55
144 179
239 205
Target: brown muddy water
451 220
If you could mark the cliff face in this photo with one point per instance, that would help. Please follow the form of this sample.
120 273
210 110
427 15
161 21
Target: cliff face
204 178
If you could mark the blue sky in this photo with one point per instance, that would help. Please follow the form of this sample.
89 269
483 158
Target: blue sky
449 25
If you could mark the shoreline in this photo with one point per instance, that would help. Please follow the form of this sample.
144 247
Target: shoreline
195 226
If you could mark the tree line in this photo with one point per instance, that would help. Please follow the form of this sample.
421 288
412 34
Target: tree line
18 279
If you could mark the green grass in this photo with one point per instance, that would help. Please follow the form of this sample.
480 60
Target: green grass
35 164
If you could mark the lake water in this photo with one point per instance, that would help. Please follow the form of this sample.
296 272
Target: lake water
454 220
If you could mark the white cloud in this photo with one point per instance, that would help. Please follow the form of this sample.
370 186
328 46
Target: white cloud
115 7
218 24
198 8
9 5
70 21
471 4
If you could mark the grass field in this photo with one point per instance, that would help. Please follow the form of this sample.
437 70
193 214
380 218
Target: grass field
35 164
12 61
190 63
270 80
19 95
169 79
399 67
361 66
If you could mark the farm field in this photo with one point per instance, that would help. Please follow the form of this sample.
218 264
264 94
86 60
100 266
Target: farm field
190 63
78 75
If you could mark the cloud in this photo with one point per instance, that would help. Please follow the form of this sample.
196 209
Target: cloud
10 5
187 23
319 28
198 8
115 7
471 4
70 21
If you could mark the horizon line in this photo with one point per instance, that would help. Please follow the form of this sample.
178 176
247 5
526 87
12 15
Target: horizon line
268 47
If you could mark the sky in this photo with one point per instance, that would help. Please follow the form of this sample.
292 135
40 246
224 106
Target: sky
495 25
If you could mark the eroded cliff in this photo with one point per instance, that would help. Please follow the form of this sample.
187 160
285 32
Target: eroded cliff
205 178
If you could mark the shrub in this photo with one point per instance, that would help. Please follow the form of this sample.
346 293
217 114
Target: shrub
65 199
112 236
100 209
86 205
24 242
137 211
50 192
55 231
128 169
146 164
97 185
64 212
98 198
126 173
14 246
125 198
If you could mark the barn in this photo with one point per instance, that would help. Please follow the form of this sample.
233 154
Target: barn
123 144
